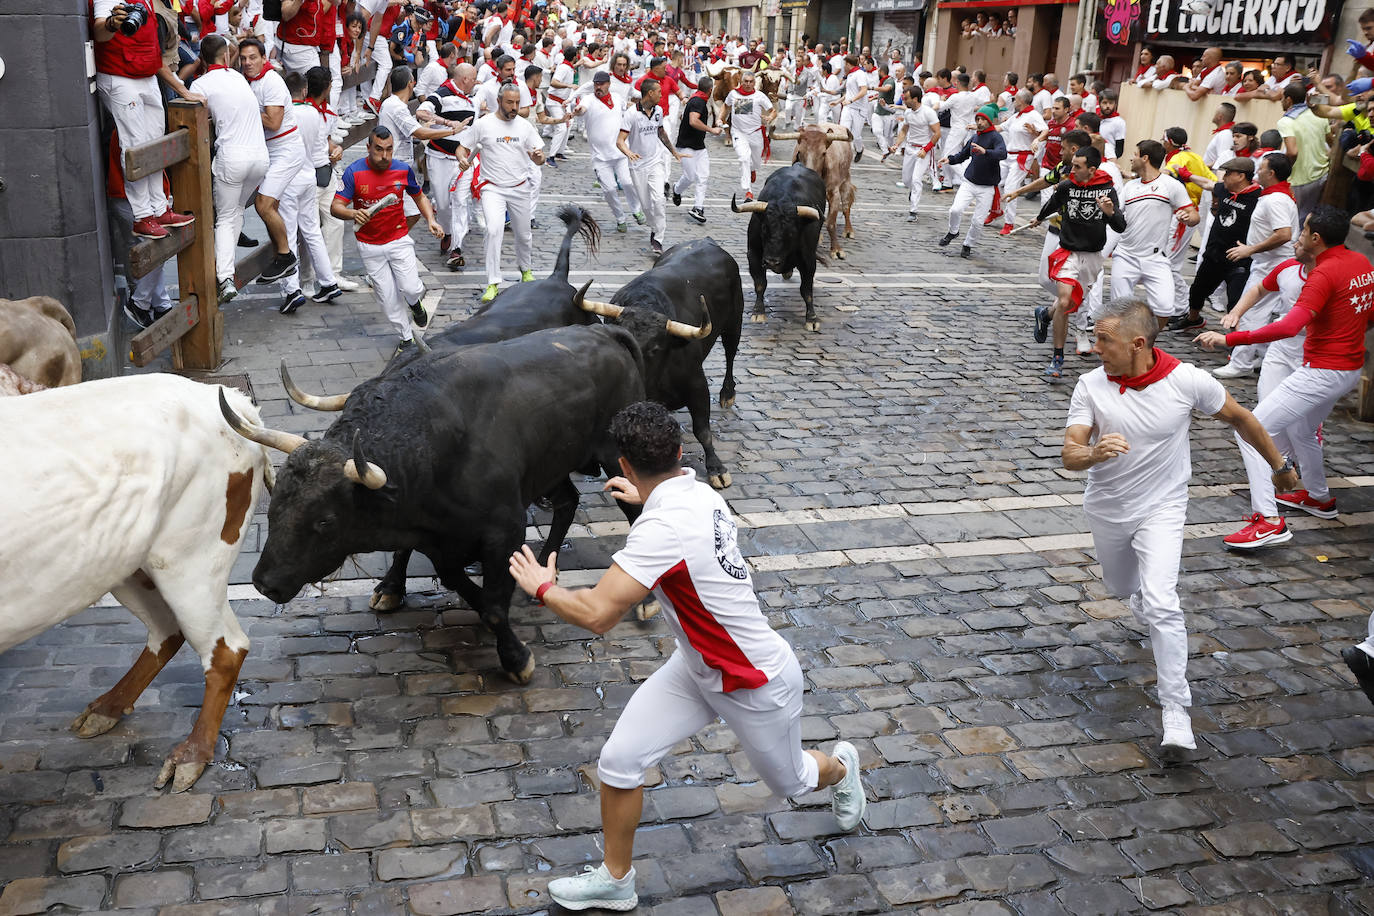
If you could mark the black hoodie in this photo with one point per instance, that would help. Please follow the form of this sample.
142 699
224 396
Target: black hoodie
1083 225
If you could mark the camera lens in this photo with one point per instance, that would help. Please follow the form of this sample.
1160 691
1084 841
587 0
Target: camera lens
136 19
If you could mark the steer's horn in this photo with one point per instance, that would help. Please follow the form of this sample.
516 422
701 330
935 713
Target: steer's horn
831 138
313 401
581 294
787 135
750 206
420 346
272 438
604 309
691 331
358 470
808 213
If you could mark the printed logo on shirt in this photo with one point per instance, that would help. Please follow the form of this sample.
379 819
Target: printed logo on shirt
744 106
1227 218
727 546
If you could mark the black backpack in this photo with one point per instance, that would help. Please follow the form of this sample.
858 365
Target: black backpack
271 10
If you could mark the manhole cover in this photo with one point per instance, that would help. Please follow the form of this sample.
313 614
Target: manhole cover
237 380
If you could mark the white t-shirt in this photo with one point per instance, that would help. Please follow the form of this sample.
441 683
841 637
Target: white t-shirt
505 147
1215 79
685 547
1218 149
746 111
1113 130
314 132
431 76
563 73
1272 212
1154 421
1090 102
1285 281
1021 129
270 89
488 94
1042 101
983 94
643 138
603 127
962 106
395 116
919 122
1147 77
857 84
1149 208
234 107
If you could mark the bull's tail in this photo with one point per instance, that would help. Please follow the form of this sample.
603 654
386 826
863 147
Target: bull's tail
579 222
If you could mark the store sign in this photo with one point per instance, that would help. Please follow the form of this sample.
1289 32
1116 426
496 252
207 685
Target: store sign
1238 22
888 6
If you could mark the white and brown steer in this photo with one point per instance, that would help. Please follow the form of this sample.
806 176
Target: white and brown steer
134 486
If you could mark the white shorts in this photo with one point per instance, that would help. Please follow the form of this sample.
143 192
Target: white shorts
671 705
1079 269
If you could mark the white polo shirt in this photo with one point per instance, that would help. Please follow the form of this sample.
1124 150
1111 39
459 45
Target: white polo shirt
603 127
505 147
1272 212
1155 421
1149 208
684 546
643 138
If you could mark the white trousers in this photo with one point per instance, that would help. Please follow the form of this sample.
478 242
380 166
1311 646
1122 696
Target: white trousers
1013 177
150 291
648 184
496 203
1291 414
1043 269
1250 356
883 129
955 138
382 55
674 119
395 280
331 227
794 110
297 58
749 151
613 174
335 78
1282 359
696 173
232 184
136 106
980 197
1177 258
1152 271
559 142
853 118
300 211
459 193
914 169
1092 299
442 170
671 706
1141 558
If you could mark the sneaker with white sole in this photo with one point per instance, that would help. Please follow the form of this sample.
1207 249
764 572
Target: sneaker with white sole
1178 728
1084 345
639 217
1231 370
327 293
847 799
1259 533
595 888
1301 499
420 314
346 284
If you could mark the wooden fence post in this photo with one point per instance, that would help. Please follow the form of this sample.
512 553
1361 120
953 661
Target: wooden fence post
201 347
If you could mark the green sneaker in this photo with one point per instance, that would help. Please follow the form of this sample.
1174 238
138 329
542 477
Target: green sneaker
639 217
595 888
491 292
847 799
526 275
621 227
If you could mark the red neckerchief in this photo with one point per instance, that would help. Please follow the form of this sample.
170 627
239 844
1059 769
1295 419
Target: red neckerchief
1203 75
608 100
1281 187
1141 72
979 86
1165 76
850 70
1098 178
1027 110
1261 152
989 130
266 66
739 91
700 95
1164 364
1227 126
216 67
623 79
1246 190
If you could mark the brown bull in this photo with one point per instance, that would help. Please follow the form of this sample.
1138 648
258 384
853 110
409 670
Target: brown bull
727 80
770 84
826 150
38 342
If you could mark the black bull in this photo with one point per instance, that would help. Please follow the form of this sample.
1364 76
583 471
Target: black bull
442 456
695 284
784 230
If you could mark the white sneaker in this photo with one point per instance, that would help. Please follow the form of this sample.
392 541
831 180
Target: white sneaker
847 798
1085 345
1230 370
345 284
595 888
1178 728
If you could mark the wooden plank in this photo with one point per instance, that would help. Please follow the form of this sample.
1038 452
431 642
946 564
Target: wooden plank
247 270
362 76
148 254
164 332
155 155
202 346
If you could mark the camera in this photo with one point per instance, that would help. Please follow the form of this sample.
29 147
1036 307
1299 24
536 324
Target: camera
136 18
418 11
1363 137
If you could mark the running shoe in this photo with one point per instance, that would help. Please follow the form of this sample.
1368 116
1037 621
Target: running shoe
639 217
172 219
1005 230
1186 322
859 155
455 259
847 798
526 275
677 199
1231 370
948 237
655 246
1259 533
1084 344
1362 666
280 266
227 290
595 889
327 293
1056 368
149 228
621 226
246 242
138 315
405 346
965 252
444 243
420 314
1178 728
697 214
294 300
911 216
1042 323
491 292
1299 499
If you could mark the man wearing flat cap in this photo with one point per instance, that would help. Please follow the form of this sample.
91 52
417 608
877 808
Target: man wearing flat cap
1234 198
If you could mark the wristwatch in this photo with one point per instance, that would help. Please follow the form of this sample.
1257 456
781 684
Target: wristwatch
1285 467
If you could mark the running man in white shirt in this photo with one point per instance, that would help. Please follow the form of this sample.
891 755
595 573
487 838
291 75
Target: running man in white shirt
1154 203
1019 130
917 138
604 114
506 144
858 107
285 156
642 140
1128 428
729 663
748 113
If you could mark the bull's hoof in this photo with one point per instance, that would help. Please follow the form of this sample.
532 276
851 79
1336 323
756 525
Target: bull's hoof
91 723
523 676
727 401
758 317
182 767
813 324
384 602
648 609
848 233
720 481
837 253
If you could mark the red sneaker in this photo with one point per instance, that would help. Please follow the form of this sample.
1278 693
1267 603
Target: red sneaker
1299 499
992 217
172 219
149 228
1006 229
1259 533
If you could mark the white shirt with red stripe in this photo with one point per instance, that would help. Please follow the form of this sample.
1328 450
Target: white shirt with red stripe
684 547
270 89
1151 209
1286 281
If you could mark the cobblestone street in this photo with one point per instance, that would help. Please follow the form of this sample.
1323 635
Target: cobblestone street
912 535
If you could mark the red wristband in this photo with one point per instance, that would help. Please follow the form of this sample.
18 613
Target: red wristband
928 147
539 592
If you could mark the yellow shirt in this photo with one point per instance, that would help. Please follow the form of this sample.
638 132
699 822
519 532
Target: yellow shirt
1186 158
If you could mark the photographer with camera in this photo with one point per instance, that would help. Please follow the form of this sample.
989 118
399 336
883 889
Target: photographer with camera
128 56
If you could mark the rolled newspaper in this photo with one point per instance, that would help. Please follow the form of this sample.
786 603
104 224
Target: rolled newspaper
384 202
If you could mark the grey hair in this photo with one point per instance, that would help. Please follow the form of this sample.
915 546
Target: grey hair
1134 315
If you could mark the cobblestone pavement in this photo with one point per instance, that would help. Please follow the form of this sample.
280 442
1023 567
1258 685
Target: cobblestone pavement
914 539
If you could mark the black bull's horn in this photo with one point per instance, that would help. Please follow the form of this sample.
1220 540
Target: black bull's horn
758 206
313 401
359 470
676 328
272 438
